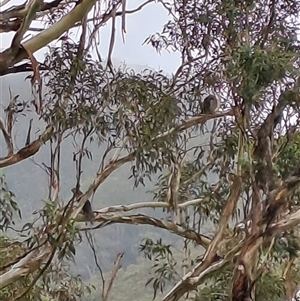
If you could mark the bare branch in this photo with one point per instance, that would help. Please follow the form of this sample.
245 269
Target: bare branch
189 281
198 272
112 38
287 223
48 35
20 11
114 272
146 205
30 262
26 67
7 138
28 150
107 219
12 25
32 7
4 2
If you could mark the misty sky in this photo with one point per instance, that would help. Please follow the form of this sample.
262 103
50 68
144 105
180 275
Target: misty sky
138 27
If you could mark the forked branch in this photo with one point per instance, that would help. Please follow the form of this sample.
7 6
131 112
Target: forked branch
28 150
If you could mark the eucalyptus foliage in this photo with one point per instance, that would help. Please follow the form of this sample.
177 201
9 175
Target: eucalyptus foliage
235 170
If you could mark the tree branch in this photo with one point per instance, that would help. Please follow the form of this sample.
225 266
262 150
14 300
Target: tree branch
24 266
146 205
114 272
190 281
141 219
100 178
290 221
8 26
26 67
28 150
7 138
194 121
20 11
32 7
44 38
198 272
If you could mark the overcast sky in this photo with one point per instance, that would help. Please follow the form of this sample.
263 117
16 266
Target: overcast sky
138 27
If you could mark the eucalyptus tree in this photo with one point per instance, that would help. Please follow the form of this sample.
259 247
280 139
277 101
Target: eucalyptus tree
246 55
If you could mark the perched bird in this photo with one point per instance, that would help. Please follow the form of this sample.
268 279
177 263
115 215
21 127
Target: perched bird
87 207
210 105
278 118
206 42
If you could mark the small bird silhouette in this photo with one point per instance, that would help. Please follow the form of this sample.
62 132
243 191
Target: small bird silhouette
210 105
87 207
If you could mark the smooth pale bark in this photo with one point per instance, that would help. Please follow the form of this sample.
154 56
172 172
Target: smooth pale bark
56 30
23 267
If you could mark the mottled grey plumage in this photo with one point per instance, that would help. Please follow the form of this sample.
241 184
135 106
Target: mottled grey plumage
210 105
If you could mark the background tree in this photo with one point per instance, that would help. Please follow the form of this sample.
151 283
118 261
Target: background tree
242 178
